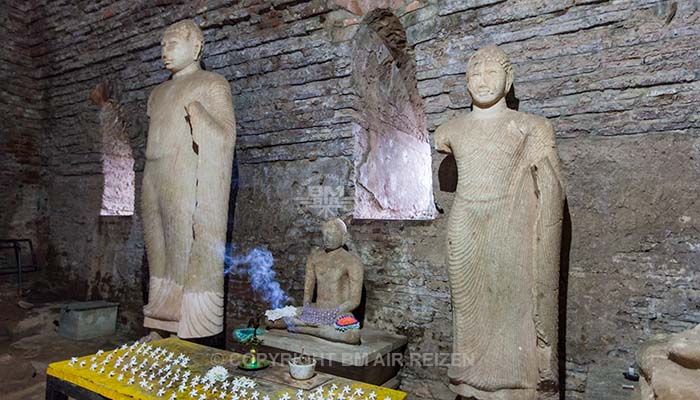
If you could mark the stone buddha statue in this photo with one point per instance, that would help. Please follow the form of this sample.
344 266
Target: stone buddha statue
335 276
186 183
670 366
503 241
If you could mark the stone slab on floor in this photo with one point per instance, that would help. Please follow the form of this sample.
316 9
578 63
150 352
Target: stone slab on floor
375 344
605 381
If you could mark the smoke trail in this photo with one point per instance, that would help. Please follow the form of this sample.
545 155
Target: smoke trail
257 264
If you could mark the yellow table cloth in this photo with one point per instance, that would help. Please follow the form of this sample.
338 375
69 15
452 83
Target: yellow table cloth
88 373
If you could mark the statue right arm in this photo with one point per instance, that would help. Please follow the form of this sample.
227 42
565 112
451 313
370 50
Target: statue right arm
309 280
442 142
151 99
356 275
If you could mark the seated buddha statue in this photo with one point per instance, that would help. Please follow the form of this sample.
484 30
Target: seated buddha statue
334 276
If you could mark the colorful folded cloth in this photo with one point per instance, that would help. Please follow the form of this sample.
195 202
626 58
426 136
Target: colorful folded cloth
346 322
318 316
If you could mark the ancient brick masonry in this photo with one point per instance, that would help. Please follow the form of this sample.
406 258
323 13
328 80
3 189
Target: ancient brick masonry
22 195
618 80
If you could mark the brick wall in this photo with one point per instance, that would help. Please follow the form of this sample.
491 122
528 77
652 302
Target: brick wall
619 81
22 195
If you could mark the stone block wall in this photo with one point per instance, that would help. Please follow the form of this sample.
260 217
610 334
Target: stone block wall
618 80
22 194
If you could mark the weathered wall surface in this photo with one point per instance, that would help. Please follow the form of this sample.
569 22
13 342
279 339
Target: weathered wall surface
22 194
619 81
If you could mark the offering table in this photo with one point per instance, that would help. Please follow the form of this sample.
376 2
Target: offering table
129 373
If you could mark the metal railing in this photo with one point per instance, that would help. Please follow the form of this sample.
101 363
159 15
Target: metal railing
19 268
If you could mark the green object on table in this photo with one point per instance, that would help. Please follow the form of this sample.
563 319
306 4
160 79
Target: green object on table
253 365
251 338
244 335
261 364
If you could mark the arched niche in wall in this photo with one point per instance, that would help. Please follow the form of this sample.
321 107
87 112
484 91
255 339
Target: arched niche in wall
392 156
117 158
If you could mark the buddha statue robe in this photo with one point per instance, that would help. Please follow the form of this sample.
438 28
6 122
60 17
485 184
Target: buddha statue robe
503 244
186 188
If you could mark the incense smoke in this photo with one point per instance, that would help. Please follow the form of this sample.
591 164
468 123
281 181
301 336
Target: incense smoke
257 264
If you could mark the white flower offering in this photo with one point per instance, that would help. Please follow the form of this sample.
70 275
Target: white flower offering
279 313
217 374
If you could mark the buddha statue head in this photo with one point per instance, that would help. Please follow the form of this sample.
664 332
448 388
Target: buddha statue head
181 45
489 76
334 232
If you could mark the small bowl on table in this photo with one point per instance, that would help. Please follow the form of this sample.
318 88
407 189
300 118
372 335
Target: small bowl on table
302 369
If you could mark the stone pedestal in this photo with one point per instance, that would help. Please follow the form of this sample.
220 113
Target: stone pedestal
376 360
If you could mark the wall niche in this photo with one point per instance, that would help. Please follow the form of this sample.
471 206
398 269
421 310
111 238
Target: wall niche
117 157
392 154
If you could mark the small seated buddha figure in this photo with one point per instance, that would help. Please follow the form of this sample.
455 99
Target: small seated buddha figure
335 276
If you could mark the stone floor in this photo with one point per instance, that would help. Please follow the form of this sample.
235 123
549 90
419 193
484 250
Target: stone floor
605 381
29 342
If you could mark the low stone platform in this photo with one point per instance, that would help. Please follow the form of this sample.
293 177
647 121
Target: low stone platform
376 360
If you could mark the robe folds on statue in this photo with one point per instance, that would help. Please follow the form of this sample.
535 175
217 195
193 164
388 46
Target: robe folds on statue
186 188
503 244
